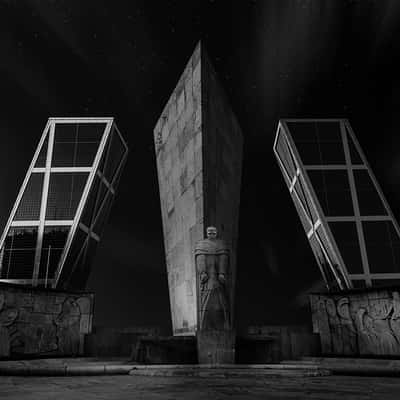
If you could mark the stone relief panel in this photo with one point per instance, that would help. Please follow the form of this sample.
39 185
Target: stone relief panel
36 322
360 323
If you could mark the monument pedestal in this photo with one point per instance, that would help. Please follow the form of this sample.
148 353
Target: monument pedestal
216 347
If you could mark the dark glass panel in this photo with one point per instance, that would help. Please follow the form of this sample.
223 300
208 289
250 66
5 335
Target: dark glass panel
103 160
85 154
101 194
315 132
29 207
359 284
368 198
65 193
332 153
309 153
328 132
323 262
91 252
345 234
333 191
332 256
76 145
19 253
285 156
63 155
80 275
303 216
41 160
77 244
303 132
117 178
318 143
354 154
385 282
54 239
75 280
321 153
79 132
76 249
64 149
116 152
91 132
383 246
90 203
305 194
103 215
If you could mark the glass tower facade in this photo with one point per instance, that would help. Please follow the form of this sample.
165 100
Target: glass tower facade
55 225
351 229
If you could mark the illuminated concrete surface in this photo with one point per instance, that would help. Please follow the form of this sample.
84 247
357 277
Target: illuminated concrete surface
198 145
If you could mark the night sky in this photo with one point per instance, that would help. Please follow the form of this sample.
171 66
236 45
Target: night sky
275 59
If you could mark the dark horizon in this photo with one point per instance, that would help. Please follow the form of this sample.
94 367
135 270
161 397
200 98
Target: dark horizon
275 60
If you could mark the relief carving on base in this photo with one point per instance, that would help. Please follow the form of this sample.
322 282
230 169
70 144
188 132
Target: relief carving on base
55 330
364 324
378 325
8 333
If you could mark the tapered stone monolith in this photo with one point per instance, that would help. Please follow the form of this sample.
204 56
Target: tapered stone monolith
199 156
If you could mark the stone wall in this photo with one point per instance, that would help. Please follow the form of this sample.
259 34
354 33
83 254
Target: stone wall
358 323
36 322
222 156
288 342
116 342
198 150
178 142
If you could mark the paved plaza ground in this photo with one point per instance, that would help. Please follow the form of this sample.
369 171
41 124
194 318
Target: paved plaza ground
170 388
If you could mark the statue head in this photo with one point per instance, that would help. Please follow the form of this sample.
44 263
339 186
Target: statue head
211 232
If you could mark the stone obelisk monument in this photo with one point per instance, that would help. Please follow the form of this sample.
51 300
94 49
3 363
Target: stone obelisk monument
198 146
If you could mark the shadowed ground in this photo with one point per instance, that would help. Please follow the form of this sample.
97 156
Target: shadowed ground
159 388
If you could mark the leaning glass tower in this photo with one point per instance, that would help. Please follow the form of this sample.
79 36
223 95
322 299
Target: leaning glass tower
56 222
351 229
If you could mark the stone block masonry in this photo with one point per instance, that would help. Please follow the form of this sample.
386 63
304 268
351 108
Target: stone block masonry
198 146
39 322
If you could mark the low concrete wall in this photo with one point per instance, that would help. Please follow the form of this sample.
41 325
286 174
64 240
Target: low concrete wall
43 322
166 350
286 342
358 322
116 342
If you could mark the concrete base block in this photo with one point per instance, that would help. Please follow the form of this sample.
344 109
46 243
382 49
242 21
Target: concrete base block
216 347
166 350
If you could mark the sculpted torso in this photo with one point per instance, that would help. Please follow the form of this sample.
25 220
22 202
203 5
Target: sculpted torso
212 264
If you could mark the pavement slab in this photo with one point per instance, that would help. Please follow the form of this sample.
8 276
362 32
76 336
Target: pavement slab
168 388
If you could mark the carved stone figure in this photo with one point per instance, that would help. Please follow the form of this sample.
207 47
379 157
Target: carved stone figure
212 265
349 331
360 324
7 319
395 319
376 327
67 323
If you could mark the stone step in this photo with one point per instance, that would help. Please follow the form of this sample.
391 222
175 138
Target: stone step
344 360
236 371
65 367
351 366
121 366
